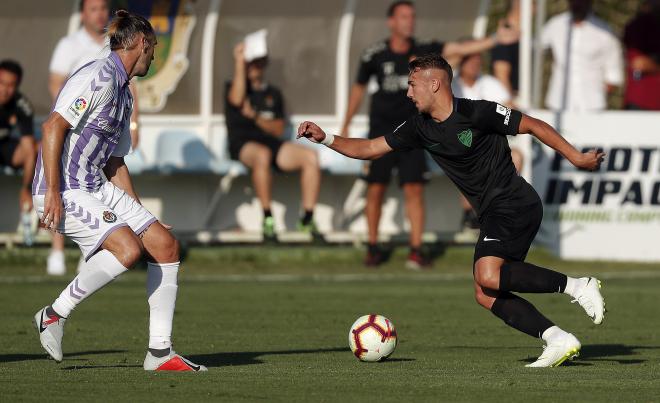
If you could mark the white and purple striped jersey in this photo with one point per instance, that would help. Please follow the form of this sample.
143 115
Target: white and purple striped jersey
96 101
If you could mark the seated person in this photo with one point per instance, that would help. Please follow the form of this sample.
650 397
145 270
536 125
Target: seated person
254 113
16 114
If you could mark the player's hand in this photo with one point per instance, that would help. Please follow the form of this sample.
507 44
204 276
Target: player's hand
239 52
248 111
25 199
506 35
590 160
53 209
311 131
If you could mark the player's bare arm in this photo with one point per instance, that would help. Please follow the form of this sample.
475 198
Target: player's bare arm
503 36
54 132
238 89
362 149
274 127
117 172
354 101
549 136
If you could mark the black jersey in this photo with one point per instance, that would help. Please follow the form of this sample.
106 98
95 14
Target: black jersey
267 102
16 113
389 105
471 148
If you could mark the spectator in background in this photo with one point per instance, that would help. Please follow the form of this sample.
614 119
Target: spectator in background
254 113
71 53
472 84
16 113
387 61
586 59
504 58
642 41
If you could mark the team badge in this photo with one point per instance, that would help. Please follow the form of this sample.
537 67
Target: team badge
173 23
78 106
109 217
465 137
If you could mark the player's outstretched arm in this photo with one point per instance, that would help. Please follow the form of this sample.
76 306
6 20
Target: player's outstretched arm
549 136
362 149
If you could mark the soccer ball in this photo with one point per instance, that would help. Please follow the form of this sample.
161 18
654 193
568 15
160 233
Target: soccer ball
372 338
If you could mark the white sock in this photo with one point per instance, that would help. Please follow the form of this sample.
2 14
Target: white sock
572 285
552 333
161 294
103 267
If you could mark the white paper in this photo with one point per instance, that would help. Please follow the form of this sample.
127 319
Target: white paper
255 45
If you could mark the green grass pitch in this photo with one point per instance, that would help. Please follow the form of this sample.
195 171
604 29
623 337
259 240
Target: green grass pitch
272 325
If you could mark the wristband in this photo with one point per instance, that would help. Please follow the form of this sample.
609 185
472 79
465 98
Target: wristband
328 140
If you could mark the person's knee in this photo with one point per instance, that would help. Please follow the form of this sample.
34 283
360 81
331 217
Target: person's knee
487 276
170 249
311 159
262 158
482 299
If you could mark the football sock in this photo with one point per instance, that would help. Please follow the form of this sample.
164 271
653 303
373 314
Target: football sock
267 213
572 285
307 217
102 268
414 250
373 248
520 314
526 277
161 294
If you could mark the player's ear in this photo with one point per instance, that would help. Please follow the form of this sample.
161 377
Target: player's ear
435 84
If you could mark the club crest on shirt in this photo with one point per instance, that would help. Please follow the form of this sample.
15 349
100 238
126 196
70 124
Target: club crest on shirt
465 137
78 106
109 217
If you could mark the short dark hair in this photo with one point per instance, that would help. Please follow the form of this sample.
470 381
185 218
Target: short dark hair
125 26
12 67
431 61
392 8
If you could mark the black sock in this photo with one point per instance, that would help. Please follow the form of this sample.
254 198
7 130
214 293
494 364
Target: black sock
267 213
520 314
415 250
307 217
526 277
373 248
50 312
159 352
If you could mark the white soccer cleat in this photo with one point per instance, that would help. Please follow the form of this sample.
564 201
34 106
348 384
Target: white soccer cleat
51 331
589 298
55 265
171 362
560 349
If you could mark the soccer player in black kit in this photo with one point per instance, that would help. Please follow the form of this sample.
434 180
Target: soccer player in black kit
467 139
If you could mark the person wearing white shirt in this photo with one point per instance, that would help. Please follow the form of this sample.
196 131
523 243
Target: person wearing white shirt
587 59
71 53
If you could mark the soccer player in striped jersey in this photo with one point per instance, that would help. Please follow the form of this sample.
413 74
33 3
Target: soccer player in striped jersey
87 135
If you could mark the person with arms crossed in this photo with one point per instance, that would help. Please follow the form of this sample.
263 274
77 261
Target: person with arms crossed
467 139
387 61
16 112
71 53
254 112
87 134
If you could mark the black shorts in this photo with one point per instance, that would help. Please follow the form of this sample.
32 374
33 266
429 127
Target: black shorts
237 143
411 167
7 149
508 232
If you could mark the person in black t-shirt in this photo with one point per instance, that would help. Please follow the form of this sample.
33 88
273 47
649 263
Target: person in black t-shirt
16 113
254 113
387 61
467 139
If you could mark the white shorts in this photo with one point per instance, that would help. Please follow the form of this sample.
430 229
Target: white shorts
90 217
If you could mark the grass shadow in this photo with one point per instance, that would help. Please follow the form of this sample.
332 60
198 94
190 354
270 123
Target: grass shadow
77 367
41 356
606 353
222 359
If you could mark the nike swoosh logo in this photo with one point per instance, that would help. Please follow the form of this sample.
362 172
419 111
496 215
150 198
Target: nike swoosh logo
41 322
486 239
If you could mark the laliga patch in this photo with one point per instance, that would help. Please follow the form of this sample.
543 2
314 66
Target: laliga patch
109 217
79 106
